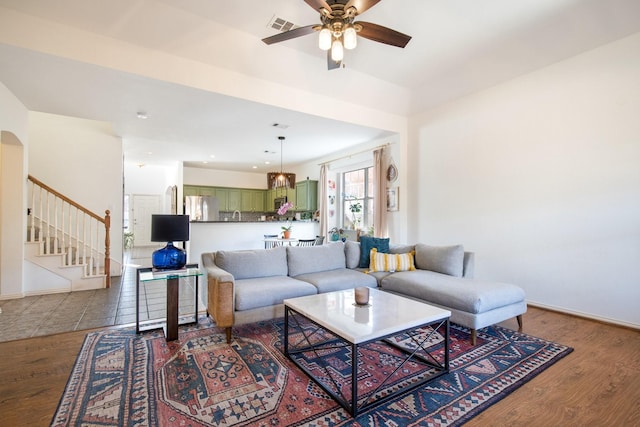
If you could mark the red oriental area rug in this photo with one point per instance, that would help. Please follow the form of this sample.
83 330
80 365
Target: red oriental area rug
121 378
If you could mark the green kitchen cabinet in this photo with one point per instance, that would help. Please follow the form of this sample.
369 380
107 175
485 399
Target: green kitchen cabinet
257 201
246 200
189 190
307 195
252 200
223 199
270 195
198 190
235 200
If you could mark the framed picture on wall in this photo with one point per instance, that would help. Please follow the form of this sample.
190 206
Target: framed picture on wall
392 199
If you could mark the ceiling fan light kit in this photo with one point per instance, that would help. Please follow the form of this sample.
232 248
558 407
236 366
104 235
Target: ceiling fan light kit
338 30
324 39
337 53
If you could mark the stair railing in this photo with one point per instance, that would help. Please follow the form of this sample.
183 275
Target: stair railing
64 227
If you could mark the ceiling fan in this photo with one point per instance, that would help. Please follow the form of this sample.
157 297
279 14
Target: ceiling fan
338 31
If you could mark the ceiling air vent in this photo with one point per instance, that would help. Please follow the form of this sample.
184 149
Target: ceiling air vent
281 24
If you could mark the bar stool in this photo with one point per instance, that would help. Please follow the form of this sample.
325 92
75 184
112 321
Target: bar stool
268 244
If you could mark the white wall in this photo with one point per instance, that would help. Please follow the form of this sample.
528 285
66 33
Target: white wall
221 178
13 166
540 177
81 159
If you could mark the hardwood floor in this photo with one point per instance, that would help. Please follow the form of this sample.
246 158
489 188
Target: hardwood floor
596 385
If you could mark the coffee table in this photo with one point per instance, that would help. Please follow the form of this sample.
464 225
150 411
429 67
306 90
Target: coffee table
338 323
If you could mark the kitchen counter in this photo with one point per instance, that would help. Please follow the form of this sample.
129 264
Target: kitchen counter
249 222
213 236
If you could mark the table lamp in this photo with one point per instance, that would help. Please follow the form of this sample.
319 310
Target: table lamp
169 228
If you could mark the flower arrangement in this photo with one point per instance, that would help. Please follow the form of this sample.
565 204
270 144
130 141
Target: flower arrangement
286 229
284 208
337 234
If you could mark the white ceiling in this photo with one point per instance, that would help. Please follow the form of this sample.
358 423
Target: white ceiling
458 47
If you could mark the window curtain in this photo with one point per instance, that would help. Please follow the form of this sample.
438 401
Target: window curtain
322 206
380 194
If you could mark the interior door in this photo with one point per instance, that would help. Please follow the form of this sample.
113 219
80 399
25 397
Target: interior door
143 207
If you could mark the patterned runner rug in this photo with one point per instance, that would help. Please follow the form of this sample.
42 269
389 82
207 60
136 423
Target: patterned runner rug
121 378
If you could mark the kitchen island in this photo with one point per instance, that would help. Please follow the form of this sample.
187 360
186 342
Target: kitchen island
233 235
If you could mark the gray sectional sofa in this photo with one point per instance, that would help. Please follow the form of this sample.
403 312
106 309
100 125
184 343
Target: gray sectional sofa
248 286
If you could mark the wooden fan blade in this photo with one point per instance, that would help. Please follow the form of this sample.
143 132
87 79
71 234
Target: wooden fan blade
382 34
318 4
288 35
331 64
361 5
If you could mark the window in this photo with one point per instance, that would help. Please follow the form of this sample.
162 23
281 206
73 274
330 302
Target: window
357 199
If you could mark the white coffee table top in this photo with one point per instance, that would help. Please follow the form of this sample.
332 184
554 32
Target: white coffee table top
386 313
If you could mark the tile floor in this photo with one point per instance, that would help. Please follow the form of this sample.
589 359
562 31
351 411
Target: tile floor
54 313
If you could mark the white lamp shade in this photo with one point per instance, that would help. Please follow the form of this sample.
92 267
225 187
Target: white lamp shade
324 39
350 38
337 52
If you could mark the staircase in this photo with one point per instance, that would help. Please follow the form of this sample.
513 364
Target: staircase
67 239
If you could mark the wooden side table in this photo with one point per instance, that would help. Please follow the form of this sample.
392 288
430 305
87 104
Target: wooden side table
172 277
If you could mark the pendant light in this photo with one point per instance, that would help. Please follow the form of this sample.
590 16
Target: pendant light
281 179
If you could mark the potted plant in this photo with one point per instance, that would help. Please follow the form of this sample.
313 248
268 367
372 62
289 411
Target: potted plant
286 230
355 207
128 239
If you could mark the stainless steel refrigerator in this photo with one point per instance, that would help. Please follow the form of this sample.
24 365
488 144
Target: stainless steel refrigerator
201 208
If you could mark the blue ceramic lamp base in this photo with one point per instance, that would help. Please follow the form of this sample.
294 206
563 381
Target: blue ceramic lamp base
169 258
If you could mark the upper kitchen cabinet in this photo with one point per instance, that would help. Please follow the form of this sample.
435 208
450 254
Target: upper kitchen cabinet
235 200
307 195
232 199
198 190
253 200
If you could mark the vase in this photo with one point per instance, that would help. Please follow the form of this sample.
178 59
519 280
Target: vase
286 234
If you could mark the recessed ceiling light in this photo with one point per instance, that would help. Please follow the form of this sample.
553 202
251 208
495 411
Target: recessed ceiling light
254 167
205 162
142 115
212 156
267 162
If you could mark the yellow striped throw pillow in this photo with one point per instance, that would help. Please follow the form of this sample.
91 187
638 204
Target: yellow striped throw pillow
391 262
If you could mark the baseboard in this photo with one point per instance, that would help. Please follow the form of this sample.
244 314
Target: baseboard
584 315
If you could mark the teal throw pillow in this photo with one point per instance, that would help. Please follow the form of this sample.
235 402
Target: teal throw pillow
367 243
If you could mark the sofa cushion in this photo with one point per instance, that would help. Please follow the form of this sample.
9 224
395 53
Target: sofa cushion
338 280
401 249
391 262
267 291
367 243
253 263
441 259
311 259
471 296
352 252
